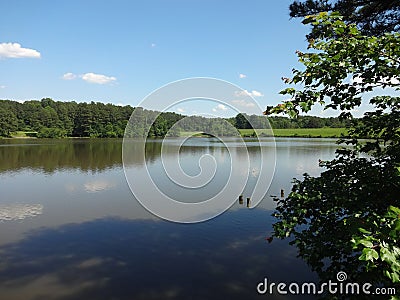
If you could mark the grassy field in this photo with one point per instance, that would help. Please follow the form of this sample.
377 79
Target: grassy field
190 133
298 132
289 132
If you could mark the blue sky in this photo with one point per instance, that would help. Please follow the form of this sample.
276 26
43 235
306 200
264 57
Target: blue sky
120 51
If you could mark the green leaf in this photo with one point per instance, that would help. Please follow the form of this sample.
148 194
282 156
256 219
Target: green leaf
397 225
396 251
308 19
369 254
387 256
339 30
366 243
395 277
388 274
394 209
353 30
362 230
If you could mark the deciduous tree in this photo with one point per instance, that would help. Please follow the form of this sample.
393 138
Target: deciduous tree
373 17
347 219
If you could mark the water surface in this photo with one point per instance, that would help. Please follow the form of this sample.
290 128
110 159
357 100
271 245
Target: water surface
70 227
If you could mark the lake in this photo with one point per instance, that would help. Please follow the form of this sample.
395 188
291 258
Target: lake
70 227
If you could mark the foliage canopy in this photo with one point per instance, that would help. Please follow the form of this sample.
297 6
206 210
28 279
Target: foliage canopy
373 17
348 219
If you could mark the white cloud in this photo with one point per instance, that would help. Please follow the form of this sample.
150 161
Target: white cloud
243 103
241 76
153 45
181 110
90 77
220 107
97 78
69 76
14 50
253 93
256 94
2 86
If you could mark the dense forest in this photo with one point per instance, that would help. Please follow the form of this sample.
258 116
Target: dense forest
59 119
55 119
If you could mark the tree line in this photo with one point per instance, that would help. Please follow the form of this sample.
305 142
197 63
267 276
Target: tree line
51 118
55 119
243 121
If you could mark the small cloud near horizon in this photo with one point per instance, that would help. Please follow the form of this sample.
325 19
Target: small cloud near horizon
14 50
243 103
90 77
181 110
241 76
2 86
219 107
253 93
98 78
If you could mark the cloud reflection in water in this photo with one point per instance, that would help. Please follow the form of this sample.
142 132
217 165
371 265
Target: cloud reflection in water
12 212
98 185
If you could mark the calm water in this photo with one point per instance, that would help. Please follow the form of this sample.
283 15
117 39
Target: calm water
70 227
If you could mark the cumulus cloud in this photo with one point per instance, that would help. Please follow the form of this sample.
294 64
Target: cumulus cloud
69 76
181 110
253 93
243 103
220 107
241 76
90 77
256 94
97 78
14 50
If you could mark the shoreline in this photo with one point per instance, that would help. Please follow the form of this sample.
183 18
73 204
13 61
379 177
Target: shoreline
325 132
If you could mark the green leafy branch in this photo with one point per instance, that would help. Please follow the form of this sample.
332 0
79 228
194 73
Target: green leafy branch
378 244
